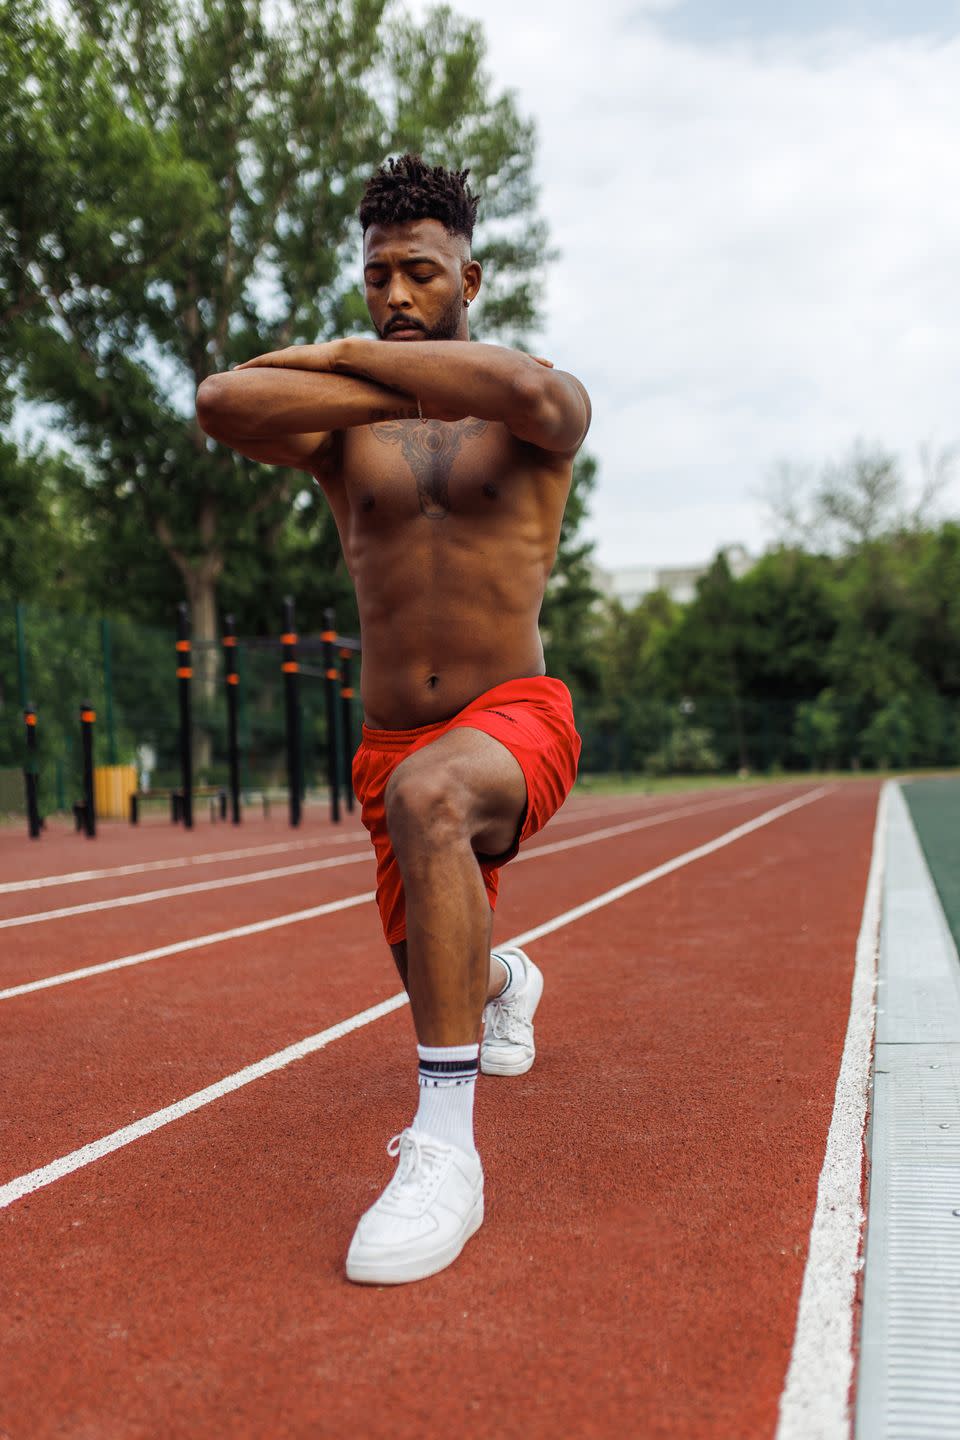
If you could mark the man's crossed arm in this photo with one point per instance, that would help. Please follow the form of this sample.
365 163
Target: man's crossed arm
323 388
290 417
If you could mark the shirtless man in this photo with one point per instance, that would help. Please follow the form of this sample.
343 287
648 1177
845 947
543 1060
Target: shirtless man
447 466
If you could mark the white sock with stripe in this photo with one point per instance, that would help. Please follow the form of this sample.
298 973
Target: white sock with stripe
448 1080
516 976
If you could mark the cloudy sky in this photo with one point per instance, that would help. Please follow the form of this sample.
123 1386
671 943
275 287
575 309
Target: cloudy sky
758 212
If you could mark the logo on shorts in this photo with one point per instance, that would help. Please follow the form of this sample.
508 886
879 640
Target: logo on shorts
512 720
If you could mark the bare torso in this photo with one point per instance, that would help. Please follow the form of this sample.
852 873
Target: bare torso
449 531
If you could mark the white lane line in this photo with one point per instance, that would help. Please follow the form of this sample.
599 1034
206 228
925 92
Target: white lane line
87 1154
576 814
573 815
647 822
208 857
56 1169
815 1400
668 867
146 897
214 857
295 917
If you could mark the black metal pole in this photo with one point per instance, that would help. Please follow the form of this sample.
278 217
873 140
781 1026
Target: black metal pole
34 822
231 678
87 717
292 698
346 727
184 675
329 638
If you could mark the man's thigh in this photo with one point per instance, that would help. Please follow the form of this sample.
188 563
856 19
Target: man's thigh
483 779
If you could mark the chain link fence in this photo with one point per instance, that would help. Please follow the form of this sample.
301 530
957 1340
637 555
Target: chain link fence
59 661
703 735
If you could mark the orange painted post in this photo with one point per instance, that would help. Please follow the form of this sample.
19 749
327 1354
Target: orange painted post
232 680
87 718
346 726
34 822
331 676
292 698
184 675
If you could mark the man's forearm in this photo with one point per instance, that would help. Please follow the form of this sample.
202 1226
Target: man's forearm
449 376
265 403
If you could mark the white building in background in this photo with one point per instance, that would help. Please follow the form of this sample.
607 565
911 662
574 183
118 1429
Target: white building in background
630 583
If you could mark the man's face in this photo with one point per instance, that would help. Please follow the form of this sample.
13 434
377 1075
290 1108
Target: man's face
416 278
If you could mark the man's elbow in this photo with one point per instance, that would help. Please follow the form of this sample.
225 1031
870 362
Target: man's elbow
534 407
213 404
557 424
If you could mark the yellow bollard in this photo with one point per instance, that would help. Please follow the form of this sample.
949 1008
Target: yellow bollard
112 787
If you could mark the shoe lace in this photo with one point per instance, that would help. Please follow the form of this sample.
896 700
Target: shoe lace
416 1174
509 1020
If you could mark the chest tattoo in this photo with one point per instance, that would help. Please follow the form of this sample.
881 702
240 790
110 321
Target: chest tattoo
430 451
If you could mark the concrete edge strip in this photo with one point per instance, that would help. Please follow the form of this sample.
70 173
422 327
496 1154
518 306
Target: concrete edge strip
47 1174
910 1322
815 1400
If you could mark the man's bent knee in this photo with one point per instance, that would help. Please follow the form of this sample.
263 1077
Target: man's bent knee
424 807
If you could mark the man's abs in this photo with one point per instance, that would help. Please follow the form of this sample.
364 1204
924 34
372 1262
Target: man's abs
412 692
449 565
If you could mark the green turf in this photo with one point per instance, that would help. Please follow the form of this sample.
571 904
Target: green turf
613 784
935 807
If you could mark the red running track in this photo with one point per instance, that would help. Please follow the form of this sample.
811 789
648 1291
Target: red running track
650 1183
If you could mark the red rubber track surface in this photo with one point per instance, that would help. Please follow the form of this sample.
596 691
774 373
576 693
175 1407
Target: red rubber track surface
650 1183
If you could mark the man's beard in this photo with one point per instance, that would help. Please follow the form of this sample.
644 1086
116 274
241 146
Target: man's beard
446 327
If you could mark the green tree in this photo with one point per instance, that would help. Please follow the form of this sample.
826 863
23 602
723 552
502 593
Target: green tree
630 643
627 718
860 498
702 658
889 738
818 730
787 613
566 617
32 556
928 620
178 191
870 658
686 750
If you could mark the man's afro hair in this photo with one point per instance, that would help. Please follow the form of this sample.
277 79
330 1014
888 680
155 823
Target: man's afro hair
408 189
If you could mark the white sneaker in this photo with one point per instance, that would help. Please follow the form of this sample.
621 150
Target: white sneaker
423 1219
507 1047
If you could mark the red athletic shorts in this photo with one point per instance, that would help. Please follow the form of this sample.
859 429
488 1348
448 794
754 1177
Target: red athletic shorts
533 718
